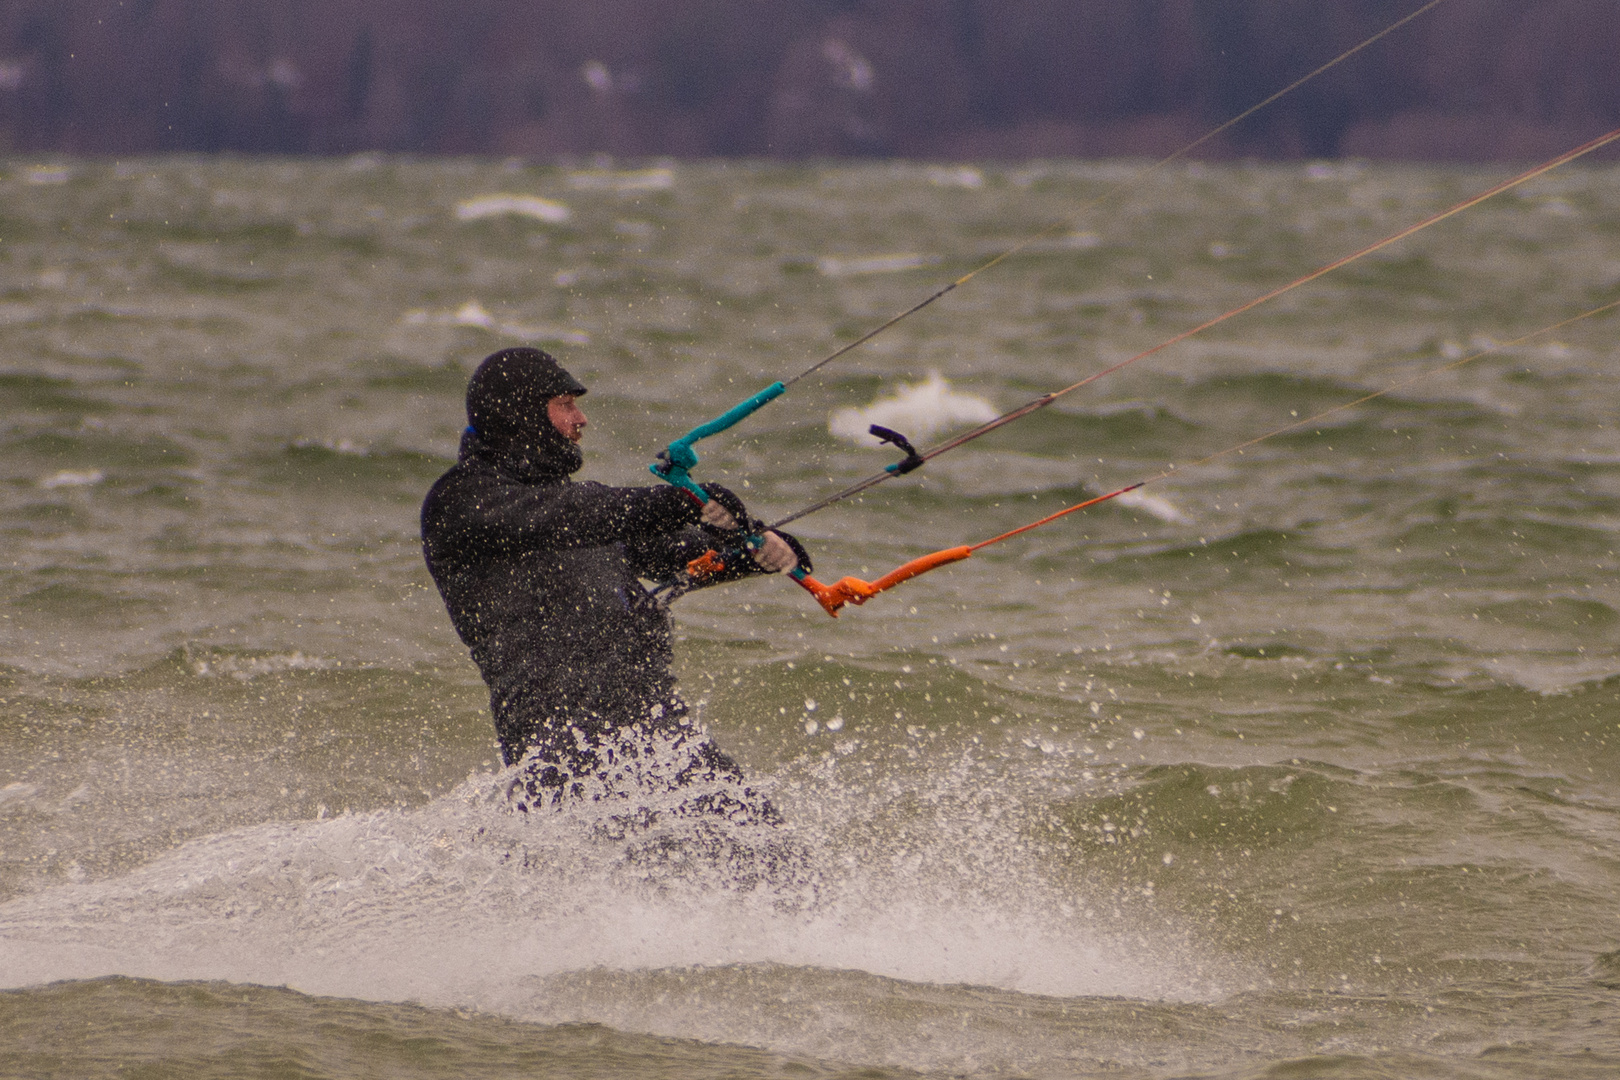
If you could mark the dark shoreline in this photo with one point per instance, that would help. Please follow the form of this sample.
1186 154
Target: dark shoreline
1470 81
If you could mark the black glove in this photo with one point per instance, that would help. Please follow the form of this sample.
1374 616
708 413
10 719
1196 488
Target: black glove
748 525
798 549
746 522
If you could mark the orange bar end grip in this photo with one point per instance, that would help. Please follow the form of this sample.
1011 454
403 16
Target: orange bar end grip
705 565
852 590
833 597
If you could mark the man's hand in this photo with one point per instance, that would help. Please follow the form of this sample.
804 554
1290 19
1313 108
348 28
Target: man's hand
776 556
716 516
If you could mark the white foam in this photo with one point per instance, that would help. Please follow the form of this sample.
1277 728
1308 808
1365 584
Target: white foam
489 899
472 313
917 410
244 668
540 332
1159 507
71 478
475 314
47 174
464 903
499 205
17 792
347 447
964 177
833 266
632 180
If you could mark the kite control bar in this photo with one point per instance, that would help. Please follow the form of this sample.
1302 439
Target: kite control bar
676 462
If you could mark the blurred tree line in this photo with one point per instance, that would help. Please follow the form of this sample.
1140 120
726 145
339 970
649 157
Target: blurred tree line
1471 80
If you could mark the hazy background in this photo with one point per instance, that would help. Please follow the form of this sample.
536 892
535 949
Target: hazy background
1474 80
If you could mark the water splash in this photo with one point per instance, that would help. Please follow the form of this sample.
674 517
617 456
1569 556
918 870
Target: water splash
919 410
933 875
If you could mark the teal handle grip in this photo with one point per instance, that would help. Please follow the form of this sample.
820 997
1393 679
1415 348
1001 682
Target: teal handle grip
679 459
740 411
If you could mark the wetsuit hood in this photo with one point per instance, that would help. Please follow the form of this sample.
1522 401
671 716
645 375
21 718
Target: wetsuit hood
506 415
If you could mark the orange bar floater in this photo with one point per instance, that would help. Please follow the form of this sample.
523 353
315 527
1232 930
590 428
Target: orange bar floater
852 590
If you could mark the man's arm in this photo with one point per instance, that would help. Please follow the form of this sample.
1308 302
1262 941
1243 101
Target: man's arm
552 517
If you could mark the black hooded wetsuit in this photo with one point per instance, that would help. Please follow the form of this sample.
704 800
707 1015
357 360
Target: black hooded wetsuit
540 574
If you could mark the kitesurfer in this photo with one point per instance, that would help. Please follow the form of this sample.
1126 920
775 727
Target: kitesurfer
542 576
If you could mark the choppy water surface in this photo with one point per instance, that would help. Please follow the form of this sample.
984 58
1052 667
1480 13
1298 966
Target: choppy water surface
1304 763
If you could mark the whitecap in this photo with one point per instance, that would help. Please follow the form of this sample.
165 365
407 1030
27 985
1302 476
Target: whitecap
476 315
336 446
1318 171
965 177
48 174
499 205
70 478
832 266
532 332
633 180
243 668
472 313
919 410
1161 508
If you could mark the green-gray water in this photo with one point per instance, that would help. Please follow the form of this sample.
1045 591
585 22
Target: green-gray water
1305 763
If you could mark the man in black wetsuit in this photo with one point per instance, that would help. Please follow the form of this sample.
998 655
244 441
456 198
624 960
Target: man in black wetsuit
543 579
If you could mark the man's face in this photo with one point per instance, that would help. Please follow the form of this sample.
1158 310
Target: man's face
565 415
